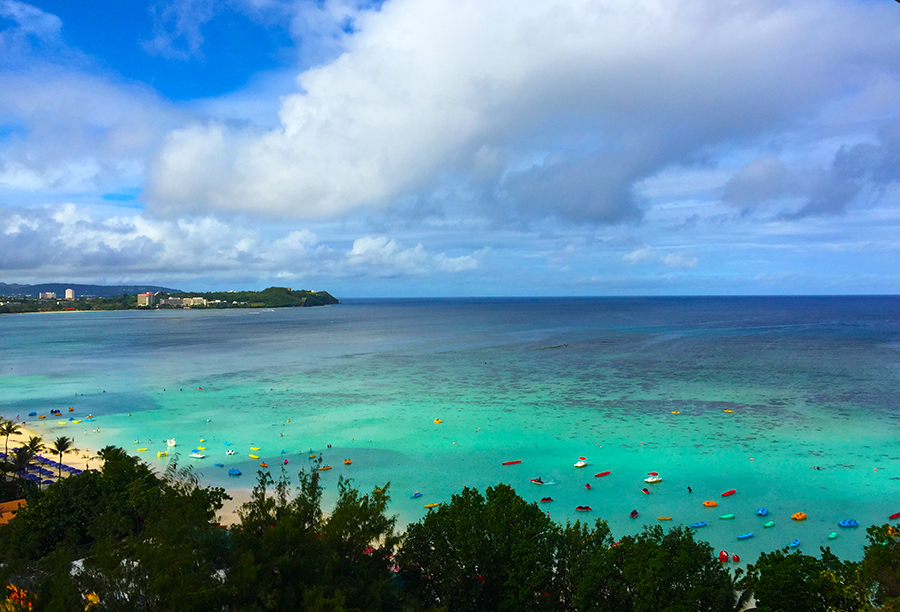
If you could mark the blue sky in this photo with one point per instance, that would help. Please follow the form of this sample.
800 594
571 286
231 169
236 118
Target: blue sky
453 147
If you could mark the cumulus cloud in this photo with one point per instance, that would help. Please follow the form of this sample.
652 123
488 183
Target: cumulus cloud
386 257
73 240
617 91
673 259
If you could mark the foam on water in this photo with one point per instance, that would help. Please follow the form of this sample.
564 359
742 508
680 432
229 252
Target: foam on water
811 383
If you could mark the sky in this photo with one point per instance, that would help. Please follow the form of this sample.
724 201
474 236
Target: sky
453 147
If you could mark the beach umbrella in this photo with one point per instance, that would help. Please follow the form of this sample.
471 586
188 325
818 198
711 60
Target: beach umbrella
46 481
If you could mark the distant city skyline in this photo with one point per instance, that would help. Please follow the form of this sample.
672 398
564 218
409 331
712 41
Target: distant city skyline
452 148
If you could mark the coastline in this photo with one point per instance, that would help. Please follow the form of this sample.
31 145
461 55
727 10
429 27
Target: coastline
85 457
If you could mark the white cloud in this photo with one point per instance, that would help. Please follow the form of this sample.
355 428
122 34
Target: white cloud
672 259
385 257
622 89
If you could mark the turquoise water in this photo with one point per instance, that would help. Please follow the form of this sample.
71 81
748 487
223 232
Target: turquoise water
811 383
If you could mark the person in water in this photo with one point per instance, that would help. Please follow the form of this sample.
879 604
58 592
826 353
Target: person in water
690 490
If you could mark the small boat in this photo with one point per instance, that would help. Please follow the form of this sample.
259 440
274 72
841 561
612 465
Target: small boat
170 442
229 452
633 513
430 505
728 411
710 504
254 448
587 486
601 474
895 515
745 536
799 516
415 495
580 463
252 456
71 409
729 493
663 518
438 421
546 500
140 449
697 525
735 558
762 511
848 523
263 464
769 524
511 462
538 481
197 455
832 535
652 479
725 517
324 467
646 491
234 472
43 416
795 543
582 508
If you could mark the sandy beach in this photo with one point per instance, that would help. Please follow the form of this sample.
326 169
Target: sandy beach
85 457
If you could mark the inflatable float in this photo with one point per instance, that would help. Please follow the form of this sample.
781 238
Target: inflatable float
582 508
546 500
761 511
799 516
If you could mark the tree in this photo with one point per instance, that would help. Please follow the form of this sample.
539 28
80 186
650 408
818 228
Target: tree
61 445
7 429
881 564
495 552
794 582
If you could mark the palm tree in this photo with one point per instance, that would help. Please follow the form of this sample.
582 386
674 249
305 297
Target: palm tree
61 445
21 459
35 445
9 428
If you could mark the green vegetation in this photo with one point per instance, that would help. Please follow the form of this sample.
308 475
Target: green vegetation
125 538
273 297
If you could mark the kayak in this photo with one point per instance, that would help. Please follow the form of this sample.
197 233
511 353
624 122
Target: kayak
795 543
606 473
587 486
415 495
762 511
848 523
511 462
745 536
697 525
726 516
663 518
769 524
646 491
710 504
583 508
430 505
633 513
832 535
546 499
895 515
538 481
729 493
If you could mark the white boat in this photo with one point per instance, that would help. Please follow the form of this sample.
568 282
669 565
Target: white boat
170 442
580 464
229 452
198 455
652 479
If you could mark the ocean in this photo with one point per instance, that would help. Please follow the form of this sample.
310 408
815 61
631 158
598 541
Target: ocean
793 402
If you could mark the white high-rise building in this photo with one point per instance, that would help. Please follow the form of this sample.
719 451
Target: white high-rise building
70 294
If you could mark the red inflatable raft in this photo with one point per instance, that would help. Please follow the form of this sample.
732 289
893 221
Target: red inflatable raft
583 508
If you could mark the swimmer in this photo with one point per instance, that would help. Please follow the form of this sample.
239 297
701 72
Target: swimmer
690 490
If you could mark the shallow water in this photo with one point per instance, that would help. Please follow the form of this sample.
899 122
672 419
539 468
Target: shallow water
811 383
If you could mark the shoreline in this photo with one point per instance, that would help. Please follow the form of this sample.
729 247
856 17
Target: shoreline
85 457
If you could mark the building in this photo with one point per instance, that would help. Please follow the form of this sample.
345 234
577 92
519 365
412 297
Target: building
46 295
146 299
70 294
